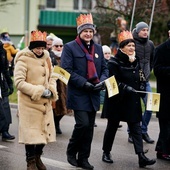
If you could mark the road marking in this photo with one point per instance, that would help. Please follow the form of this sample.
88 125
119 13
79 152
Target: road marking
1 146
59 164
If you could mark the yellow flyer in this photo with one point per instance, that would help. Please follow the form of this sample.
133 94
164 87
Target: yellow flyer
61 74
153 102
112 87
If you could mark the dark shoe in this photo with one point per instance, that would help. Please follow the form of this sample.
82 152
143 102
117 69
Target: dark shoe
144 161
6 136
72 160
58 130
163 156
146 138
39 163
119 126
107 158
85 164
130 140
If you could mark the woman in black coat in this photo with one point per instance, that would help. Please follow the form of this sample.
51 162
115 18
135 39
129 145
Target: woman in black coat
162 73
126 105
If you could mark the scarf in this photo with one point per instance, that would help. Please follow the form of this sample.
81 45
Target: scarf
91 69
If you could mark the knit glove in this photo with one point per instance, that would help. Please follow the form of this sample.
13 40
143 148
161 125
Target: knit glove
47 94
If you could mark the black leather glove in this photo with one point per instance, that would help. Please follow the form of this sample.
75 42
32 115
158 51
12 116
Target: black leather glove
129 89
11 90
88 86
99 86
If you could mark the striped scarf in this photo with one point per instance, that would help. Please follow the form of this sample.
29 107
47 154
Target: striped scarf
91 69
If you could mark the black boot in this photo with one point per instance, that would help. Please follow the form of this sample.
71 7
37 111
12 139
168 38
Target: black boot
6 136
85 164
144 161
107 158
130 140
146 138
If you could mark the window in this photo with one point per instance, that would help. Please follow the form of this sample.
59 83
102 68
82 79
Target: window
51 3
83 4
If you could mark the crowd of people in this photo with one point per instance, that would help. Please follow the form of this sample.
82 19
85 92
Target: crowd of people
43 100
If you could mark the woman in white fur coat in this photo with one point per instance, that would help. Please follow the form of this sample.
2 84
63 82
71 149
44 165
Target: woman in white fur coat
36 90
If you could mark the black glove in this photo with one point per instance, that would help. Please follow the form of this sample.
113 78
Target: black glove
11 90
129 89
88 86
99 86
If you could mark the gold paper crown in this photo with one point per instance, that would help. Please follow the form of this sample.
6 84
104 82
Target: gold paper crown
84 19
124 35
38 36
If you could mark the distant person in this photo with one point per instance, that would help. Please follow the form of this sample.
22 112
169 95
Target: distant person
126 105
36 91
162 73
97 37
60 108
6 89
145 51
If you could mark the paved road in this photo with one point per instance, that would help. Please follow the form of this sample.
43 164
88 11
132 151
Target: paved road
12 156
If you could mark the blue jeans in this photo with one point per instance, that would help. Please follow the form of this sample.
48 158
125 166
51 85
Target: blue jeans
147 114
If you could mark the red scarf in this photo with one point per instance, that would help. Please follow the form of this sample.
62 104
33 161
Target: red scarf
91 69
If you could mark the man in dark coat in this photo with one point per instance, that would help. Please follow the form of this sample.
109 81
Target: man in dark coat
84 60
162 73
6 86
145 51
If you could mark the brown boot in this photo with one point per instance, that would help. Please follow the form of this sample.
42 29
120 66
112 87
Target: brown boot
31 165
39 163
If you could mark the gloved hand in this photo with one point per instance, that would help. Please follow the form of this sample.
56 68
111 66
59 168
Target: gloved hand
47 94
11 90
88 86
129 89
99 86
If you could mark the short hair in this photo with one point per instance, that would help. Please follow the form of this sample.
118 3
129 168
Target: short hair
125 42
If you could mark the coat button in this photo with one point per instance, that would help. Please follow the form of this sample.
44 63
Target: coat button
44 113
133 71
43 75
43 65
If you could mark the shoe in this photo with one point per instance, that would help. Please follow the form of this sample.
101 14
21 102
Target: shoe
39 162
144 161
119 126
72 160
130 140
58 130
85 164
6 136
163 156
31 165
107 158
146 138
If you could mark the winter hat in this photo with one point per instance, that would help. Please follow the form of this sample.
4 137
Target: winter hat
85 22
57 41
140 26
106 49
38 39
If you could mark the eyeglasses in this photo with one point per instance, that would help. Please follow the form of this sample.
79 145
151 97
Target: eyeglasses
58 46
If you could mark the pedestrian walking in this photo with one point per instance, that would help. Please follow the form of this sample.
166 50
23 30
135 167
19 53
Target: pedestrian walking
126 105
59 108
84 60
162 73
6 89
36 91
145 51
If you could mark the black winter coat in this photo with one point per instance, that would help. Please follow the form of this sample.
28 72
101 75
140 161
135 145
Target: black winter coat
5 79
124 106
162 73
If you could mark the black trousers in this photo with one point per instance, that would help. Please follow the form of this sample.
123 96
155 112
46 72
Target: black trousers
32 150
111 130
163 143
81 139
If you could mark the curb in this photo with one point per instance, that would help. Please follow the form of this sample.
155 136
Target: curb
13 105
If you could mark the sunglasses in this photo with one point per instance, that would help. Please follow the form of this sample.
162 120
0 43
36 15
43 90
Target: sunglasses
58 46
